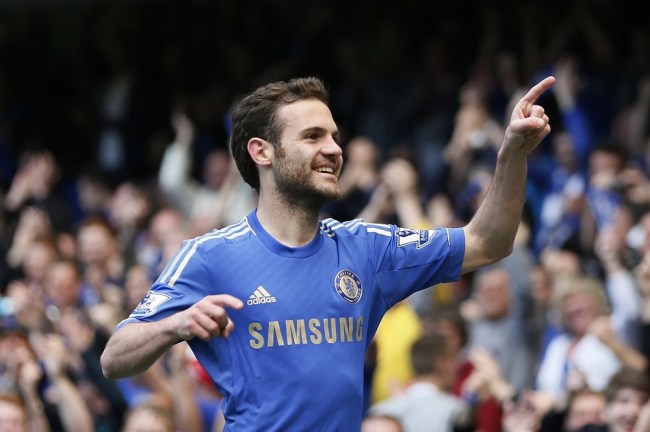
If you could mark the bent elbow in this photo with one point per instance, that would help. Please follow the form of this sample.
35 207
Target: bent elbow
500 253
495 254
106 363
110 366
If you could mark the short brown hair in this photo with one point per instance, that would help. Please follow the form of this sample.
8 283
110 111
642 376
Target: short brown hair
256 116
425 353
630 378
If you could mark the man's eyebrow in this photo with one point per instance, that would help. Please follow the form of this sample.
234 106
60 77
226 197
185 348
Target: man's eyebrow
335 134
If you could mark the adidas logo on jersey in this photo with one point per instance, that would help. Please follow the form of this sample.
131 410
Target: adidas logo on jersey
260 296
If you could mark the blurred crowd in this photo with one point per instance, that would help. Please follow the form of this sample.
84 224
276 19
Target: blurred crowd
114 151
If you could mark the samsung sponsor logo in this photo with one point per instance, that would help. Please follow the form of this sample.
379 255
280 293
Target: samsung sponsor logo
313 331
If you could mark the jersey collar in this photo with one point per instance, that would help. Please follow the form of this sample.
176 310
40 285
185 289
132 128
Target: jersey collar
278 248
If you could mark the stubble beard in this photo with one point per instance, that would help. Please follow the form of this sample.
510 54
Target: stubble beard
298 188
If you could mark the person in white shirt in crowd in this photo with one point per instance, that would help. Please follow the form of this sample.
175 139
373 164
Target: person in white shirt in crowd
221 197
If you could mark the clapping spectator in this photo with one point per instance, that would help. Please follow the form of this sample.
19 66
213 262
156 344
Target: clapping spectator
577 358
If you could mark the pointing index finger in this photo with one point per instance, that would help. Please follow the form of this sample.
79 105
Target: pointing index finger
226 300
538 89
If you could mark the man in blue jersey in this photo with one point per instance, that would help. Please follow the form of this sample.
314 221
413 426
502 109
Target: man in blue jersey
280 307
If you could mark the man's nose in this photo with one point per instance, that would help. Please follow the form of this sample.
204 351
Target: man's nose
332 147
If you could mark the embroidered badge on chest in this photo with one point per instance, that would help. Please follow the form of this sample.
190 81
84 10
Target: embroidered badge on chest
348 285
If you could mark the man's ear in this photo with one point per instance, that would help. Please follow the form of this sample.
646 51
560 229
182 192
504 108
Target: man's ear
261 151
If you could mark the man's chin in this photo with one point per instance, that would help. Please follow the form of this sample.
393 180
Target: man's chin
335 193
332 195
327 191
314 199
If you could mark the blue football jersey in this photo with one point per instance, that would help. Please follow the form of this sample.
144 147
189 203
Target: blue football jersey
295 359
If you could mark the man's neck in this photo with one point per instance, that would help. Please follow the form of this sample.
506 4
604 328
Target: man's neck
433 380
291 225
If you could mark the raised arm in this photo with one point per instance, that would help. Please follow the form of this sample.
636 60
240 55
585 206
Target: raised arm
134 347
174 176
490 234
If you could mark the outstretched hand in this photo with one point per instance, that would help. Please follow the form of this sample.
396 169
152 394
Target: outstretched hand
528 123
208 318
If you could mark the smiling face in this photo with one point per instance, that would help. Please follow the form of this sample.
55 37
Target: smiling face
308 159
623 411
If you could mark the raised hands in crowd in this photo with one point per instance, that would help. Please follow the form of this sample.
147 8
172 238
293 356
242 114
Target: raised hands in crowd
562 348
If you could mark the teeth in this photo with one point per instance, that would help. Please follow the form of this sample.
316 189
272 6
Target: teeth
325 170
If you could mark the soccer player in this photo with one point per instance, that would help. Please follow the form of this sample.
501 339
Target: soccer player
280 307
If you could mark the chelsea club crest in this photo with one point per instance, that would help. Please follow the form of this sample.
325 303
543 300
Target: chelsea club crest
348 285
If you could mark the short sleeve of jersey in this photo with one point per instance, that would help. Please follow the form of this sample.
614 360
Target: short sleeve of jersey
183 282
409 260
